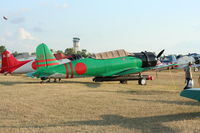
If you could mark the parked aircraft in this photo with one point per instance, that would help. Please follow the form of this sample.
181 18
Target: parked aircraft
48 67
184 60
167 60
11 65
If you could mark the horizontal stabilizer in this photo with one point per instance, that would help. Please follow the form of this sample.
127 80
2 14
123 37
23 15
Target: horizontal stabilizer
137 70
193 93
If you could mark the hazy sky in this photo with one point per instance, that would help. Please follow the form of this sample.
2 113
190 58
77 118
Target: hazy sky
102 25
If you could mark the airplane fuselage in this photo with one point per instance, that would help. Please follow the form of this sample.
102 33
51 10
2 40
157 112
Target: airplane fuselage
31 67
26 68
92 67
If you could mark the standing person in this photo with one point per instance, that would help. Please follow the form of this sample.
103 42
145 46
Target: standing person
188 76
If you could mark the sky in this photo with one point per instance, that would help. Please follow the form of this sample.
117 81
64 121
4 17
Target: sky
102 25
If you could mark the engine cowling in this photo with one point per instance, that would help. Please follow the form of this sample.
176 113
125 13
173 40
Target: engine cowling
148 58
197 60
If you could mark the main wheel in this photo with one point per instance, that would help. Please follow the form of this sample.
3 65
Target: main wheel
123 81
142 81
43 78
196 69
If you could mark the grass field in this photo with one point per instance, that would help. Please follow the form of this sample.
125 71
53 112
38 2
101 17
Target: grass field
80 105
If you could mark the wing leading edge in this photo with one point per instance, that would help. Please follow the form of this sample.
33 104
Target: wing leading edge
137 70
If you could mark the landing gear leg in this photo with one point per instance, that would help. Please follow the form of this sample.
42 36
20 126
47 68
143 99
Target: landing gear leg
59 79
49 80
55 80
43 79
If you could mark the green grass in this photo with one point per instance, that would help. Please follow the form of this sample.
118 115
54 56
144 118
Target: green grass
80 105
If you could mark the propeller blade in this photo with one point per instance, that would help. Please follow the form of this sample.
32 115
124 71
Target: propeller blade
5 18
161 52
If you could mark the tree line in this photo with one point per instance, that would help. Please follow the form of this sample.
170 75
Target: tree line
68 51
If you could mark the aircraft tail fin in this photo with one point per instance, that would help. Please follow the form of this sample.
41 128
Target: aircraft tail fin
8 62
44 57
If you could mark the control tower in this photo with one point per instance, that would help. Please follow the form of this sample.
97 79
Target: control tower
76 44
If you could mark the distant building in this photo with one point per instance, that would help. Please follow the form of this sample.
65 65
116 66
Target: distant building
76 44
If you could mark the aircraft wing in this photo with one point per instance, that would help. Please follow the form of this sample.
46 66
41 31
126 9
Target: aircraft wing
193 93
182 66
40 73
137 70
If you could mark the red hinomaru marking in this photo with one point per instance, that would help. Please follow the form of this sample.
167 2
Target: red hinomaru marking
46 60
72 71
67 74
34 65
50 64
80 68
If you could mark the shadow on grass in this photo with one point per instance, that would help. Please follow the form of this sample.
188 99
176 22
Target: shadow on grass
14 82
88 84
138 92
146 124
192 103
146 92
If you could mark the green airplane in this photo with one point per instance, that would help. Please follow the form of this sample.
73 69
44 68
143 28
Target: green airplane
48 67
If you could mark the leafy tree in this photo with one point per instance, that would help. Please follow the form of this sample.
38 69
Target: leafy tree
52 50
59 51
2 48
69 51
15 54
83 52
33 53
90 55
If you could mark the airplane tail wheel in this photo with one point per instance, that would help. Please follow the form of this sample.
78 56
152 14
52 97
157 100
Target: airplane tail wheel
142 81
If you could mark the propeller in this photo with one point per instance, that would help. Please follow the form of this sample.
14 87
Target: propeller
161 52
5 18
